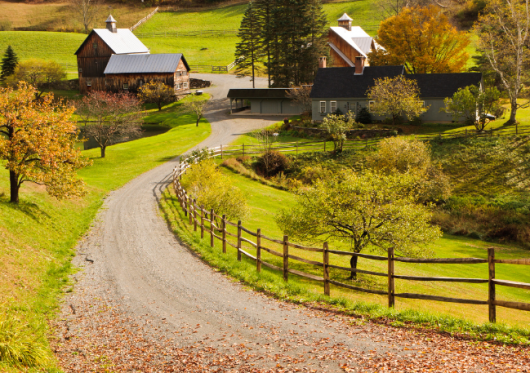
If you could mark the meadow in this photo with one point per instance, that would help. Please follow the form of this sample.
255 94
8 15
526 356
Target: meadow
37 237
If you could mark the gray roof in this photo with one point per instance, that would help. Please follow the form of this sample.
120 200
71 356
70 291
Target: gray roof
342 82
240 93
345 17
123 41
110 19
364 43
144 63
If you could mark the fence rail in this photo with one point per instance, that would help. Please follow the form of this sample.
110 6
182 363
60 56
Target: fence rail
177 34
205 220
145 19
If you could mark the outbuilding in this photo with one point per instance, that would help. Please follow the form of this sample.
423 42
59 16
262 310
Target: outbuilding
267 101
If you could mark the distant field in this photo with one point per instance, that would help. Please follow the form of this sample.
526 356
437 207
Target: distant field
59 16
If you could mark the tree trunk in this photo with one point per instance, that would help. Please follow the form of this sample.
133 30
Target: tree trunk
103 149
13 181
353 265
513 112
159 106
198 120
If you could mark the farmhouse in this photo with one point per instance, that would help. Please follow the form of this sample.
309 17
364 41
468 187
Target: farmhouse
344 89
349 45
113 59
270 101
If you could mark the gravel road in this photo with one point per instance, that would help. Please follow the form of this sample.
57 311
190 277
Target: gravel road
142 302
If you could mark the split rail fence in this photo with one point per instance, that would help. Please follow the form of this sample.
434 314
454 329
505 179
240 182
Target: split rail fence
216 226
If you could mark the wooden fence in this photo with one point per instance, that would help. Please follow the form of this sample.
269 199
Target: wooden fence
145 19
176 34
216 227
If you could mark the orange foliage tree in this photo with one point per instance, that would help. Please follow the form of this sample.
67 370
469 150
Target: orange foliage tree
423 40
37 139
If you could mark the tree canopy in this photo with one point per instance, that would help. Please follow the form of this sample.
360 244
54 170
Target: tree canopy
249 50
37 142
363 210
41 74
156 93
396 97
423 40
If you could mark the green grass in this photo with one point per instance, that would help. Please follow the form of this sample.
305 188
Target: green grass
264 201
37 236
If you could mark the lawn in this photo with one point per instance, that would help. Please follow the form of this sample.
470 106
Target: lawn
37 237
265 202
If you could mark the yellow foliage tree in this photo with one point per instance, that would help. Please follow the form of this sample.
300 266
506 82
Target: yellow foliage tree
37 139
423 40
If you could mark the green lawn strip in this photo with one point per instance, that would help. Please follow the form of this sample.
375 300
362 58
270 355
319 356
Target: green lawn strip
300 290
265 201
37 237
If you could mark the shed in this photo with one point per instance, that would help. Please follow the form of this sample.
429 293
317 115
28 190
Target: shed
130 72
269 101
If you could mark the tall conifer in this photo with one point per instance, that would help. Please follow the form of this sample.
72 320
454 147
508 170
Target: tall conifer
9 63
248 50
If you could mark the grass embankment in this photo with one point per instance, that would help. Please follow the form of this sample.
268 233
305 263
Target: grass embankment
265 201
61 16
37 236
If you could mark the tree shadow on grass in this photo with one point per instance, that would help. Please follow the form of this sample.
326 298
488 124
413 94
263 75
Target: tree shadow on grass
30 209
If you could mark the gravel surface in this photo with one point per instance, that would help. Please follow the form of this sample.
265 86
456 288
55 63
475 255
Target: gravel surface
143 302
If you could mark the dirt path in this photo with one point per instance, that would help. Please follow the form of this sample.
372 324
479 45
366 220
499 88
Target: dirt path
145 303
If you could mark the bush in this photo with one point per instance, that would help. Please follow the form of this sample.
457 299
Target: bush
6 25
364 116
272 163
416 121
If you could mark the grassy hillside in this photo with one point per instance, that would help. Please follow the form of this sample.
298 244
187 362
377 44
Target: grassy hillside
37 236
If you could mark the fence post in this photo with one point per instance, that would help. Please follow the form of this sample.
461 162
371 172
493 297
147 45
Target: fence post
296 147
258 250
491 285
221 151
326 269
243 150
202 221
186 204
285 258
239 240
391 299
211 228
194 215
224 234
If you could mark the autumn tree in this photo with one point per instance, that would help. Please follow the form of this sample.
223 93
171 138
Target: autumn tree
86 10
368 210
9 63
205 182
37 141
503 31
156 93
249 49
473 104
396 97
197 106
423 40
336 127
41 74
301 95
113 117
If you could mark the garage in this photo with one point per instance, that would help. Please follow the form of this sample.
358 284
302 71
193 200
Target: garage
266 101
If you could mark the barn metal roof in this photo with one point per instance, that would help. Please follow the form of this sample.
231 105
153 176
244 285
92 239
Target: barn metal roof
357 34
123 41
345 17
144 63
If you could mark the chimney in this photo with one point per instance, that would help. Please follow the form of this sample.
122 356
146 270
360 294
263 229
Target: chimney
111 24
345 21
359 65
322 62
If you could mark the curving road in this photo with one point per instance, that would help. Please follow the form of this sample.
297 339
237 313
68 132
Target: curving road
134 264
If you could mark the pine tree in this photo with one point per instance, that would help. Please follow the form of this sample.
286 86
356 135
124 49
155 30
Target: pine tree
316 41
9 63
264 9
248 50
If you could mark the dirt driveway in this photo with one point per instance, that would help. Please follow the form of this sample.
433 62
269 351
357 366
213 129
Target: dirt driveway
144 303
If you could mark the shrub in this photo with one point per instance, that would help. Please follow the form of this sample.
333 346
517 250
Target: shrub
272 163
364 116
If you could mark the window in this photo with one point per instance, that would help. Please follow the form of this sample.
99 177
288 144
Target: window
140 83
125 87
95 45
185 85
371 105
80 70
89 83
322 107
333 106
177 86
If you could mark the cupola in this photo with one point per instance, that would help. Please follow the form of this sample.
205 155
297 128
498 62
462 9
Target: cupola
345 21
111 24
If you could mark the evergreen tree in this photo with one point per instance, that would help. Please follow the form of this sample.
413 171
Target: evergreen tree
9 63
264 10
316 45
248 50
